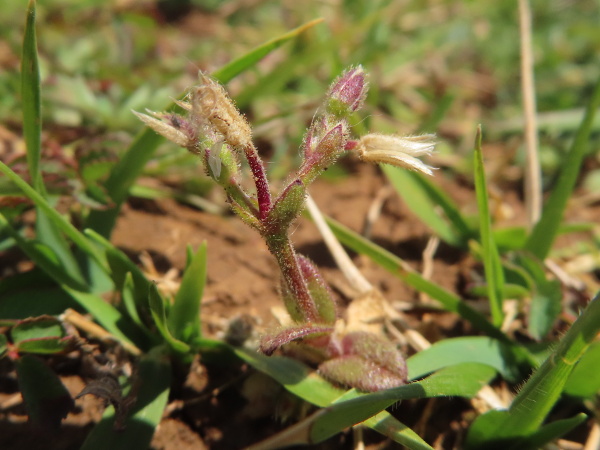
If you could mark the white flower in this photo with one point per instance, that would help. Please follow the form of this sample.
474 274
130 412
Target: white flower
397 151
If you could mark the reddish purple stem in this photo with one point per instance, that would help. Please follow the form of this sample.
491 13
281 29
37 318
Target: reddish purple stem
260 180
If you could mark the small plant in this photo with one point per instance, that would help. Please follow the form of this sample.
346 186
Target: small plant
215 130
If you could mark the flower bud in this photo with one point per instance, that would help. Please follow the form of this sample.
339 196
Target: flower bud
397 151
347 93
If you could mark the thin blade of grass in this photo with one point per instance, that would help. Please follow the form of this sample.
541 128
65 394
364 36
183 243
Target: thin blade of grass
491 259
423 199
537 397
551 432
59 221
157 309
30 94
462 380
391 427
543 234
154 378
239 65
131 164
44 257
46 230
184 316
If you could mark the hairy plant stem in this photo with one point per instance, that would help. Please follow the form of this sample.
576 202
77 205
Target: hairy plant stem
260 180
281 247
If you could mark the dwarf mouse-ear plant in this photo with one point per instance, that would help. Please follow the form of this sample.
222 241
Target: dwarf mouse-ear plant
214 129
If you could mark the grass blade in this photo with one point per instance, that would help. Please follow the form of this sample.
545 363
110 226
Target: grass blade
491 259
46 398
389 426
70 231
30 93
157 309
131 164
462 380
535 400
44 257
423 199
239 65
184 316
543 234
46 231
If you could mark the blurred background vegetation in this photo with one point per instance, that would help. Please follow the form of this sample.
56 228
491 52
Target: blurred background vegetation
436 66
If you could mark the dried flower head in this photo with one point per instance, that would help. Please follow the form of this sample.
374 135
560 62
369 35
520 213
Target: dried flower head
397 151
212 107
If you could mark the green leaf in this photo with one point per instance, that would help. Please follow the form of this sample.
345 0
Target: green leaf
134 292
463 380
510 238
537 397
46 231
546 297
128 297
30 93
584 380
34 300
309 386
129 167
70 231
184 316
542 237
491 259
250 59
470 349
293 375
41 335
44 257
423 198
157 309
154 377
551 432
46 398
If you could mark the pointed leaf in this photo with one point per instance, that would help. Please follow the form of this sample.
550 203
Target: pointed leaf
491 259
184 317
157 309
46 398
475 349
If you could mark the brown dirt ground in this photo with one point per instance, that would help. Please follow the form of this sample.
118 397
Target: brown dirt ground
211 409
